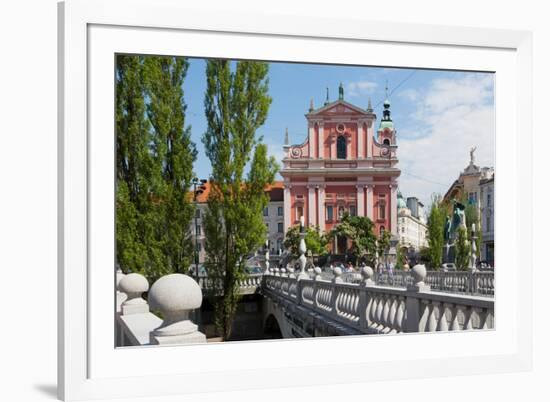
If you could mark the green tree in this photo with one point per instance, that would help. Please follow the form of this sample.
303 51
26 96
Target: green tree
401 257
316 242
236 105
154 166
462 249
383 243
471 213
436 227
360 230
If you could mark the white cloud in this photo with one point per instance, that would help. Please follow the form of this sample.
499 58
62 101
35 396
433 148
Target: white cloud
409 94
358 88
454 115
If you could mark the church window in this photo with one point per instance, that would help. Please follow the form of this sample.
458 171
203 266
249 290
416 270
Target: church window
381 210
341 147
329 213
386 141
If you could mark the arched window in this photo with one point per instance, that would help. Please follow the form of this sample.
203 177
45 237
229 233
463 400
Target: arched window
341 147
382 229
386 141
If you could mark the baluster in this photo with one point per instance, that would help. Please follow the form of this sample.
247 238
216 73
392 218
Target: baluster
455 326
443 325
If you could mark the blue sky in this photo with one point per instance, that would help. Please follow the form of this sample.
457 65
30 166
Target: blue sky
438 115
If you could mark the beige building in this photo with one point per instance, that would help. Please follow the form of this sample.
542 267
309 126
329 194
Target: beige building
468 183
411 224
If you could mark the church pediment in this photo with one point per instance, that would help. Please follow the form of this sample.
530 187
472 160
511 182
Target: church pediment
338 108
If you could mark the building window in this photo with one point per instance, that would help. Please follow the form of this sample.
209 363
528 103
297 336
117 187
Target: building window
198 247
386 141
329 213
341 147
488 223
472 197
352 210
382 229
280 227
198 230
299 212
280 211
489 199
197 213
266 211
381 210
279 245
403 229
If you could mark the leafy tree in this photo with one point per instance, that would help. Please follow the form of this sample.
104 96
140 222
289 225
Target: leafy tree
382 243
462 249
360 230
436 227
316 242
471 213
236 105
401 257
154 166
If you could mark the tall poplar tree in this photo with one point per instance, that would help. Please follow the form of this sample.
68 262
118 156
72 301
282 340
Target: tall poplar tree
236 105
436 235
154 166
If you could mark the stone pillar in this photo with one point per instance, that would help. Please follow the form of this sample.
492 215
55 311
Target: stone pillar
360 140
348 147
320 141
134 285
175 296
311 206
360 200
393 206
321 208
287 203
370 201
311 139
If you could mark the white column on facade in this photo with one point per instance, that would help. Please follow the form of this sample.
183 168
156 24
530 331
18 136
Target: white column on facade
393 206
311 212
320 140
287 203
321 208
360 200
370 201
370 133
311 139
360 137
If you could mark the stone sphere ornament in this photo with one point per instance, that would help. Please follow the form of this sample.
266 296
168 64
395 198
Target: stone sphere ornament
134 285
175 296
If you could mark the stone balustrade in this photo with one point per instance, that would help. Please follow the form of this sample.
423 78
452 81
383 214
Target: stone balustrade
248 285
465 282
370 308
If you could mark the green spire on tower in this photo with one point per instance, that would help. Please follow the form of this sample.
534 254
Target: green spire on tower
326 100
341 92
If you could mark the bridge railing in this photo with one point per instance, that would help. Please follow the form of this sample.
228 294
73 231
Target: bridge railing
248 285
370 308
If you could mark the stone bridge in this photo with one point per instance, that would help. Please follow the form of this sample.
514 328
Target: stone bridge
316 307
313 304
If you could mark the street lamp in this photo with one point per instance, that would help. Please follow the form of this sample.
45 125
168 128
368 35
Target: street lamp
198 188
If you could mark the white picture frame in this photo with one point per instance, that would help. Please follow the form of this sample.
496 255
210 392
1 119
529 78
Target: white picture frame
90 31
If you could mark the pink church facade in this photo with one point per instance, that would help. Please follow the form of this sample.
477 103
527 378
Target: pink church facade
343 165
